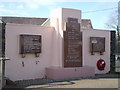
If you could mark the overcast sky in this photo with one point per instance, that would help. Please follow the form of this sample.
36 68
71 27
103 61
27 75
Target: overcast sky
99 12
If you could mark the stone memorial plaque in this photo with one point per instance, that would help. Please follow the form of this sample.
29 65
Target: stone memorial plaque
72 44
30 44
97 44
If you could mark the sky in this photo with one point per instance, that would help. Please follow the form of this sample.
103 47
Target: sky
99 11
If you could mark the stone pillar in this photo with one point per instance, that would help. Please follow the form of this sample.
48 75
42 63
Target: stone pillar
59 18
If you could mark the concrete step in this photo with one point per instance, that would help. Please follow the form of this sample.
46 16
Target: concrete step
69 73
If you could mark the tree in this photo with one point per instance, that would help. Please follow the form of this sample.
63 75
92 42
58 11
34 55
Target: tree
112 23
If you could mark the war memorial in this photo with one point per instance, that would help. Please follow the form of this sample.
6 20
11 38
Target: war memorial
63 46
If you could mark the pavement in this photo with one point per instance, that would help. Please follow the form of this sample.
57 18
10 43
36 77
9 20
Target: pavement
87 83
99 81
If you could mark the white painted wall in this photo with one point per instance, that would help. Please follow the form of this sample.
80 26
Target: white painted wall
55 20
31 70
91 60
70 13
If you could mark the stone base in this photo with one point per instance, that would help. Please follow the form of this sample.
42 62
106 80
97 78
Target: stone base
69 73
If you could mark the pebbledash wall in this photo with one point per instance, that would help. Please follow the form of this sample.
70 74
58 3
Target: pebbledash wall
52 47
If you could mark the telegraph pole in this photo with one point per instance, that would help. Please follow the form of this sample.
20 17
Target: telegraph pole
2 54
118 29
